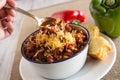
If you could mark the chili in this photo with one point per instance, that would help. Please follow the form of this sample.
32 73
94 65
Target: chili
54 41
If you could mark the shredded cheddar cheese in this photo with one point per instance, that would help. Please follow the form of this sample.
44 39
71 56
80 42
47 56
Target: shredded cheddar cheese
54 41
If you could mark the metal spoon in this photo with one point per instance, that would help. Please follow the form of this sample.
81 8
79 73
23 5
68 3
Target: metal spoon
39 20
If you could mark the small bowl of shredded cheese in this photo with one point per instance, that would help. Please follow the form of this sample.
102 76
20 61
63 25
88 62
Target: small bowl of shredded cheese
55 48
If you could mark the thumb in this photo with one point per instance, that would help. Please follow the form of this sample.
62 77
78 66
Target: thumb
2 3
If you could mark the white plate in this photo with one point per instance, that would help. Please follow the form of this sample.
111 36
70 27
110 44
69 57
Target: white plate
92 70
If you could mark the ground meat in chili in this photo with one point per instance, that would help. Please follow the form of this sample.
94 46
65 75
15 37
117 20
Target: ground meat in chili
54 41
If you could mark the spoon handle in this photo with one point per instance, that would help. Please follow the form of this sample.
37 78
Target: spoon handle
39 20
23 12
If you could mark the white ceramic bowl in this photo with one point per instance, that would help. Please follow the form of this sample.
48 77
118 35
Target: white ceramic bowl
64 68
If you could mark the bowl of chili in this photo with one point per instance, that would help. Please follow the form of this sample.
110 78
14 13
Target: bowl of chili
57 50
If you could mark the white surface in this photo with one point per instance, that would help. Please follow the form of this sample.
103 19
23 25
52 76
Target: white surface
8 45
92 70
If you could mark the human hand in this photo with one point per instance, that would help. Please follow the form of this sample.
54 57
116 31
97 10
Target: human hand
6 18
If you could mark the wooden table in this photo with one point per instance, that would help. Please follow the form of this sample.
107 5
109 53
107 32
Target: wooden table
8 47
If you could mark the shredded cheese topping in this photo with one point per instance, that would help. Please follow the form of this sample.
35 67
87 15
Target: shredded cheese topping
54 41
